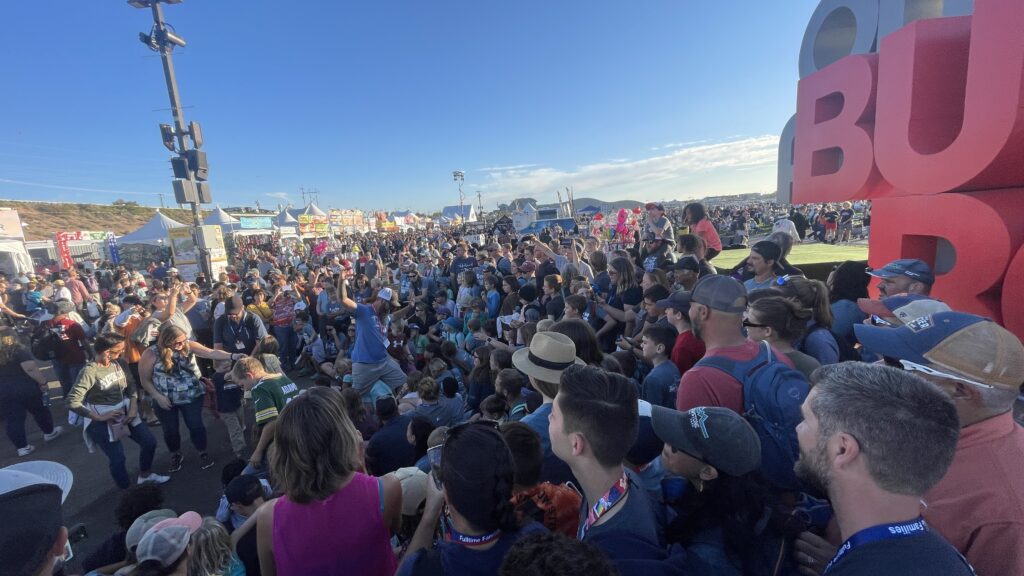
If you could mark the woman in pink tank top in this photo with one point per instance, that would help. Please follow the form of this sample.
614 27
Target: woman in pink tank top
333 519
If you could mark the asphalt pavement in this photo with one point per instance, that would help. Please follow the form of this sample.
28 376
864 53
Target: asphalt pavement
94 495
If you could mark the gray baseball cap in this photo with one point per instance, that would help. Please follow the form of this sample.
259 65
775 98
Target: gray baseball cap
721 293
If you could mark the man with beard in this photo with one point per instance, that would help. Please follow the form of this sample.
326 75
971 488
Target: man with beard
904 277
717 304
876 439
370 359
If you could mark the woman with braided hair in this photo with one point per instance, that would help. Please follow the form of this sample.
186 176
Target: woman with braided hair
471 496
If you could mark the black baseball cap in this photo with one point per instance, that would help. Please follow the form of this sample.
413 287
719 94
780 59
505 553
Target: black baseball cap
714 435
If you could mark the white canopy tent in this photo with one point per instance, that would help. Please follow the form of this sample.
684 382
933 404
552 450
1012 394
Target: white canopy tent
226 221
153 232
14 258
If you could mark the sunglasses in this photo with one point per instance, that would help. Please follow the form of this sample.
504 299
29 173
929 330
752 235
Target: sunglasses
915 367
749 324
434 454
179 343
877 320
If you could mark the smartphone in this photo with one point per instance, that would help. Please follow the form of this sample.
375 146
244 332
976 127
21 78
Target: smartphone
565 242
434 459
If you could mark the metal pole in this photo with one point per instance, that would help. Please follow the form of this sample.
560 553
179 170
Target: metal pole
180 129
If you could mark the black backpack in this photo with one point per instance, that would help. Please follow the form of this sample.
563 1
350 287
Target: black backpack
44 343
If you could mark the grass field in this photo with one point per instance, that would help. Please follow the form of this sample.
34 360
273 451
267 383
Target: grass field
801 254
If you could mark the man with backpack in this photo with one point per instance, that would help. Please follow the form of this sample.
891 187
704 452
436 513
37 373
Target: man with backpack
749 378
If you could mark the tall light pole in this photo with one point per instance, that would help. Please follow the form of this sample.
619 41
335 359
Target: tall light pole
190 167
459 177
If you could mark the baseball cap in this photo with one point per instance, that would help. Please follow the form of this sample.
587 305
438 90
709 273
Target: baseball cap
164 545
720 293
768 251
143 523
234 306
414 489
384 294
654 206
688 263
243 489
964 345
910 267
31 495
190 520
903 307
714 435
678 300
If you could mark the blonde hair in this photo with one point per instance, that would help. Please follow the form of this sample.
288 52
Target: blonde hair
209 549
428 389
167 335
315 446
246 366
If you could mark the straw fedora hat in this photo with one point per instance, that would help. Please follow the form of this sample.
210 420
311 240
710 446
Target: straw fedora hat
549 354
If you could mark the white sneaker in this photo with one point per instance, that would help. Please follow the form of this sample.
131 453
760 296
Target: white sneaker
26 450
153 478
57 430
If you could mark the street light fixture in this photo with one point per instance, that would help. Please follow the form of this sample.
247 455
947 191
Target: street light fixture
460 176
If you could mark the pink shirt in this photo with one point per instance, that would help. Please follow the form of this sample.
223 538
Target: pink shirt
343 534
706 230
979 505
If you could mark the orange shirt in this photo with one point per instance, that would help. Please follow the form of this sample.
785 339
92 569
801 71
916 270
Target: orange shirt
132 353
979 505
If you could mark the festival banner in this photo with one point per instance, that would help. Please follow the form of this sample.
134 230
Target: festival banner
185 251
313 225
115 253
63 252
10 225
255 222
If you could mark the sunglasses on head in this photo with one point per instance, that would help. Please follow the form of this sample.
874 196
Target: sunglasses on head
909 366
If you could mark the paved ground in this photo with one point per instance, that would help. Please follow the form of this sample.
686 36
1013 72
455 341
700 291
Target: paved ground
94 495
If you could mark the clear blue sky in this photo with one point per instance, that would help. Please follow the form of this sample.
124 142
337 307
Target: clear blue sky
375 103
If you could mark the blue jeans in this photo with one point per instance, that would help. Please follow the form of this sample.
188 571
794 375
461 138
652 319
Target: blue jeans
67 374
287 342
100 435
192 413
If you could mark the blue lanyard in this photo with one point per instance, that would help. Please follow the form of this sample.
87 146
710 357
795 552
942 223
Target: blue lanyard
877 534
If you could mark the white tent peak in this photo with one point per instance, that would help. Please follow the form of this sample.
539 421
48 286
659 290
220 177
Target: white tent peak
152 232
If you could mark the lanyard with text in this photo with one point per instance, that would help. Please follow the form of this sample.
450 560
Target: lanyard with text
877 534
613 496
453 535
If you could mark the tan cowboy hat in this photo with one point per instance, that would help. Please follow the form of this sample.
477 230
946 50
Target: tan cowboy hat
549 354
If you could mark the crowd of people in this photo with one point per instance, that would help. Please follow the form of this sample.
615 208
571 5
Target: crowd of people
535 405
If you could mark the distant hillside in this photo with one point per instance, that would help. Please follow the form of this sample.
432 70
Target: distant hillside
46 218
618 204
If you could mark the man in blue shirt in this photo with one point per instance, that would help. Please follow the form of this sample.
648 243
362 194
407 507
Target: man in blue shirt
370 359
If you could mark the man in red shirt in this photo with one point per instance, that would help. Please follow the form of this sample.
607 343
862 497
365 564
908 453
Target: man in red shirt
717 304
71 353
979 505
688 349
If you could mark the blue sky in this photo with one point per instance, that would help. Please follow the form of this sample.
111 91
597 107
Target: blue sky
375 103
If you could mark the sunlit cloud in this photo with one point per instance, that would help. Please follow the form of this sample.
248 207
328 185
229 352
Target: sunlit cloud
733 166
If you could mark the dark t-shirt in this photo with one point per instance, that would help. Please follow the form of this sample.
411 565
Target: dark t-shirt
926 554
12 377
464 561
635 516
389 449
